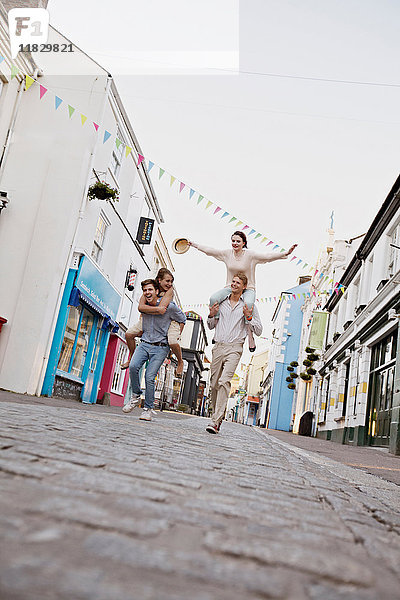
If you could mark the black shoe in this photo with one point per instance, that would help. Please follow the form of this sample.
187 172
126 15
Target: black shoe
253 349
211 428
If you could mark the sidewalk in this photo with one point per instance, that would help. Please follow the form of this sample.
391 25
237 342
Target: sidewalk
376 461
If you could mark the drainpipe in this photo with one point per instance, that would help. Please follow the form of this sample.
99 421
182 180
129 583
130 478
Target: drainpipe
12 126
72 245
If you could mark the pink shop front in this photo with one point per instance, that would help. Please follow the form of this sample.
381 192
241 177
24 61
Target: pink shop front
114 380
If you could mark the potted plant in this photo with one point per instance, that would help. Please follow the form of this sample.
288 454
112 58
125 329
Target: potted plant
307 362
294 375
290 369
102 191
313 357
336 336
289 379
292 386
311 371
294 363
305 376
309 349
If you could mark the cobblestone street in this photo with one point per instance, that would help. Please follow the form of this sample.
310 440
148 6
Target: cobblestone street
98 505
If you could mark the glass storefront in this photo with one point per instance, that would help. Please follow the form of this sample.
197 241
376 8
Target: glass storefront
76 340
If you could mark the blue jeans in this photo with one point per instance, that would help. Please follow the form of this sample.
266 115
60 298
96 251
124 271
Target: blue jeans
248 296
156 356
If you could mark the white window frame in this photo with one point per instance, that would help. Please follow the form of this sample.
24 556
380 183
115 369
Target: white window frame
98 244
117 154
393 253
118 375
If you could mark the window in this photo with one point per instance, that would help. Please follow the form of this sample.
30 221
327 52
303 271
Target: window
116 157
119 375
346 388
76 340
99 237
394 238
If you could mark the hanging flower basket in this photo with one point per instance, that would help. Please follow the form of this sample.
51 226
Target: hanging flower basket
102 191
294 375
309 349
290 369
292 386
307 362
313 357
289 379
294 363
305 376
311 371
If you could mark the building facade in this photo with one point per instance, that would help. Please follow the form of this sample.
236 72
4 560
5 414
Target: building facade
359 399
194 342
67 300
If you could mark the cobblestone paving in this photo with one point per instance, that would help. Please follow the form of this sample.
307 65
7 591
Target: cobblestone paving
107 507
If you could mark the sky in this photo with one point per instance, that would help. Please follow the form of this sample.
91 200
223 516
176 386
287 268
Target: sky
231 98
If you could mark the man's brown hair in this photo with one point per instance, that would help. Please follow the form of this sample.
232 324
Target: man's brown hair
152 282
243 278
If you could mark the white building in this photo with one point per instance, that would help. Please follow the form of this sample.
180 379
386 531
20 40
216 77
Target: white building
359 401
64 259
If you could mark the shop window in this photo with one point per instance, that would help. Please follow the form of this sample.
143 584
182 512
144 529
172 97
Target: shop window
98 242
119 375
76 341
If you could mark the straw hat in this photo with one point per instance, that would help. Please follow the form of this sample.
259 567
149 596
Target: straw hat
180 245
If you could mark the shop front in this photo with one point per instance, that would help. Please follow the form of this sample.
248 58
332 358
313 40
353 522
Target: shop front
86 318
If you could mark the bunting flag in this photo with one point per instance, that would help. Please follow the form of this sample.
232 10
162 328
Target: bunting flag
141 158
28 80
42 91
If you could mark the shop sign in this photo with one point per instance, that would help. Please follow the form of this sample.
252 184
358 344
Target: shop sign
145 230
94 285
317 331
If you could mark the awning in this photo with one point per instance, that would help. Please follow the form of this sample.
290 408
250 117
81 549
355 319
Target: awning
77 296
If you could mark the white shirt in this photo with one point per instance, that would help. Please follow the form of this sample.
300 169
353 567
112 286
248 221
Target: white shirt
231 326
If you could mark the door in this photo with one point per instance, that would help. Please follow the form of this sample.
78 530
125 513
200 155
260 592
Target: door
88 395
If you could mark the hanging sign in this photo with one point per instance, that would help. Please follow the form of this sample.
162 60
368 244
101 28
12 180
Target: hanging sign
145 230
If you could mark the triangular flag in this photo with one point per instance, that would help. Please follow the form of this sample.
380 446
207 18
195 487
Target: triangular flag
233 219
276 246
181 186
298 262
106 137
172 181
28 80
83 119
245 227
117 143
42 92
200 198
128 150
71 110
208 204
252 231
239 223
95 126
140 159
191 193
225 214
58 101
269 243
161 173
217 210
294 258
15 71
263 240
151 165
257 236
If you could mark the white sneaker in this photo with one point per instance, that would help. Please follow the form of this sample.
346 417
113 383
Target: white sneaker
154 414
133 402
146 415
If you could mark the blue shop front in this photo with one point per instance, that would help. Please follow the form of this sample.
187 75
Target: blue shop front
87 316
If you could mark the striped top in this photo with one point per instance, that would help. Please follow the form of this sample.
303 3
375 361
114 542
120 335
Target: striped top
231 326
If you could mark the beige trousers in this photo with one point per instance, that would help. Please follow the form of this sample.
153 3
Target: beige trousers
225 359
